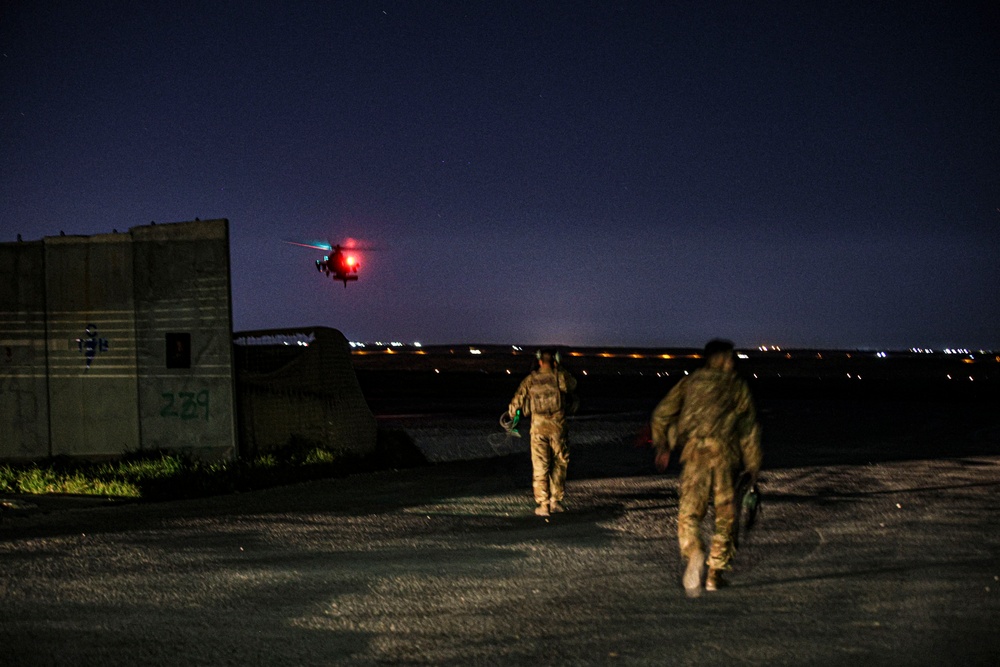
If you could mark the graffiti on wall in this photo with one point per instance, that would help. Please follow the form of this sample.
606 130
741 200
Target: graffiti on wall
185 405
91 344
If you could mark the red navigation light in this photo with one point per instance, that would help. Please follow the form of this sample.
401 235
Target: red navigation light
351 261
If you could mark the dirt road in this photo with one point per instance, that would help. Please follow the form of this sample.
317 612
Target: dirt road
894 563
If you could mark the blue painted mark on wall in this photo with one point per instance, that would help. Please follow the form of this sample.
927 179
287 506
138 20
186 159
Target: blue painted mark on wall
92 344
185 405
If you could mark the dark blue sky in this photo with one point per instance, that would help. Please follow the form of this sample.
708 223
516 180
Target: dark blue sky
602 173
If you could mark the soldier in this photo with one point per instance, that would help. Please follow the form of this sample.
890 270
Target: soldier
710 415
545 396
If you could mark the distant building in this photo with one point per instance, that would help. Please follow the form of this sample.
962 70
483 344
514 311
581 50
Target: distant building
119 342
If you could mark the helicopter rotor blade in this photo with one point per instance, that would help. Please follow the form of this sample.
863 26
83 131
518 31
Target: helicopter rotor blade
345 247
319 245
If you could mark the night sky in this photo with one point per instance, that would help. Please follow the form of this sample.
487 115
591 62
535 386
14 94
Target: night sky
805 174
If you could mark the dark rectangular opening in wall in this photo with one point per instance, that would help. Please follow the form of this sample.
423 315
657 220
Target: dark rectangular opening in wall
178 350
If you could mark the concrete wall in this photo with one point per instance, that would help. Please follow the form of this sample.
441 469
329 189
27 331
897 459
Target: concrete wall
91 345
84 325
182 294
300 386
24 396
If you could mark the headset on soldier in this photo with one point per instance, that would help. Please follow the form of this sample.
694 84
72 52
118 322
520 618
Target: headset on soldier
552 354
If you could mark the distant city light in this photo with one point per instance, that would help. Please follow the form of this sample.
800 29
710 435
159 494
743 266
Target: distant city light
473 350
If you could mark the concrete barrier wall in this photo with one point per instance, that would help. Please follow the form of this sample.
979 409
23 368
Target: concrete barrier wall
300 386
183 316
91 345
24 406
90 363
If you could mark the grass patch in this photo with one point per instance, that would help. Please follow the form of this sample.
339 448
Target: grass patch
168 475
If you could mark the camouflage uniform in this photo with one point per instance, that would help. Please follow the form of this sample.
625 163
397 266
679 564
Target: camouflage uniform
711 416
546 396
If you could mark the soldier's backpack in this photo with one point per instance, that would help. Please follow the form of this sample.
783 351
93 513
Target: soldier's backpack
546 398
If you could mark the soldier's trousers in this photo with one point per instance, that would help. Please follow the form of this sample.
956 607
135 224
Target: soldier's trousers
549 459
702 481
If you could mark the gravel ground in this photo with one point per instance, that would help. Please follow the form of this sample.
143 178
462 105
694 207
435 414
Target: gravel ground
889 559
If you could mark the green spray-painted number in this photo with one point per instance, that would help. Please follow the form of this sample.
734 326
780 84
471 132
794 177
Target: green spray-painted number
185 405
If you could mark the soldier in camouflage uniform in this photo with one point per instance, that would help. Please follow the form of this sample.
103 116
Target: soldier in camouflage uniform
546 395
710 415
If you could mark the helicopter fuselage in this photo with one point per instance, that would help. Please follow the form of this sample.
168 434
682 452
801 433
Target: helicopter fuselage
339 266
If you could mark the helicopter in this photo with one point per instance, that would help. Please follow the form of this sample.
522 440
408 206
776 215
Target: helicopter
341 264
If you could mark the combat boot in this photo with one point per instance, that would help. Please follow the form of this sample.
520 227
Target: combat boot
715 581
542 510
556 506
692 575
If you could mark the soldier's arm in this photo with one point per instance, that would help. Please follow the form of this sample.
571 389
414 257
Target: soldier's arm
749 431
751 451
568 387
520 400
569 382
665 415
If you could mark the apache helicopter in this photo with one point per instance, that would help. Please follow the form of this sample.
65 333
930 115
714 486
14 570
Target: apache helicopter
341 264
